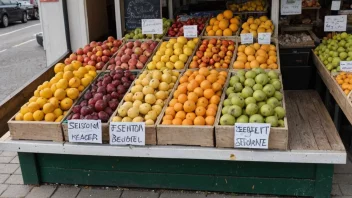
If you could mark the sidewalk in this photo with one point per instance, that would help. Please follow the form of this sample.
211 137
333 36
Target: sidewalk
12 186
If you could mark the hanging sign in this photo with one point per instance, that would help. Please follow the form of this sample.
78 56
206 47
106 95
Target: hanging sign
346 66
87 131
336 23
335 5
291 7
247 38
252 135
136 10
190 31
127 133
264 38
152 26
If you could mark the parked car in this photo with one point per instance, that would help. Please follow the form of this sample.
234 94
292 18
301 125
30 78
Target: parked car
11 11
31 6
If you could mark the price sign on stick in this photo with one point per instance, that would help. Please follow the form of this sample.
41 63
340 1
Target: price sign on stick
252 135
190 31
346 66
247 38
87 131
152 26
291 7
264 38
127 133
336 23
335 5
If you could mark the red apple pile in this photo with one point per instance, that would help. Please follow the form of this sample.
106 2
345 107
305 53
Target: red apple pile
96 53
133 55
103 97
176 29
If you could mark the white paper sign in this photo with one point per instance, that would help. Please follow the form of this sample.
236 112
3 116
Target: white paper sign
264 38
127 133
335 5
252 135
291 7
346 66
152 26
336 23
190 31
247 38
88 131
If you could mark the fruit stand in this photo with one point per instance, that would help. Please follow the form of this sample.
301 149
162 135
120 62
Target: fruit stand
189 95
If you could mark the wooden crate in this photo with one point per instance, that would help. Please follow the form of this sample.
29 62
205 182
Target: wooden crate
224 135
186 135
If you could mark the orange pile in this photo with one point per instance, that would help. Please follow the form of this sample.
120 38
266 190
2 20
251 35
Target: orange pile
224 24
255 56
345 81
196 99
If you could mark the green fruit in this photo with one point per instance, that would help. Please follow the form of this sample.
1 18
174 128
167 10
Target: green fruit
272 120
247 92
225 109
237 87
281 123
273 75
260 104
262 79
230 90
277 85
269 90
256 118
259 95
242 119
227 102
344 35
250 100
250 74
251 109
259 70
257 87
249 82
233 80
280 112
235 111
267 110
237 100
274 102
278 95
227 120
242 79
343 55
241 73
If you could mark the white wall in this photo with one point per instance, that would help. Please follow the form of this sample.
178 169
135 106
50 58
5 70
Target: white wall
78 23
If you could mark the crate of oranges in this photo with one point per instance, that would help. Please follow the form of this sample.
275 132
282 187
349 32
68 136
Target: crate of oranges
224 24
188 118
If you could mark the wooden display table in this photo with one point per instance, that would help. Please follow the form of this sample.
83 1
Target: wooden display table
305 169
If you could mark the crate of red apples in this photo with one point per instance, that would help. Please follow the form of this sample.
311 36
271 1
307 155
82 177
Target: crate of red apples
176 28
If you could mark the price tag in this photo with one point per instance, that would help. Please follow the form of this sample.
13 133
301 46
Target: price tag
291 7
152 26
127 133
247 38
190 31
335 5
87 131
336 23
346 66
252 135
264 38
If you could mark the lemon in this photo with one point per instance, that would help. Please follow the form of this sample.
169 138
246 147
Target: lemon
81 88
53 88
92 73
59 75
54 101
85 81
76 64
38 115
90 68
33 99
28 116
19 117
68 75
66 104
33 106
60 94
59 68
46 93
41 101
24 110
36 93
69 68
74 82
82 70
46 84
50 117
72 93
48 108
78 74
59 118
53 80
172 41
58 112
62 84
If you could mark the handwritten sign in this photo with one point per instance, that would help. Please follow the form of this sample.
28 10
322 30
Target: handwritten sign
336 23
291 7
127 133
247 38
335 5
346 66
190 31
152 26
136 10
264 38
252 135
88 131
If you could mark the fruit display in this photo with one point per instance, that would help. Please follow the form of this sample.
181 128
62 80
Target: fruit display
214 53
256 5
176 29
224 24
257 25
345 81
332 51
196 99
54 98
137 33
133 55
253 97
256 56
173 54
310 3
146 98
102 99
96 53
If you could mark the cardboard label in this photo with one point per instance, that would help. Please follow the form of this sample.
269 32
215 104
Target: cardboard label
346 66
190 31
291 7
335 5
252 135
264 38
127 133
152 26
247 38
336 23
87 131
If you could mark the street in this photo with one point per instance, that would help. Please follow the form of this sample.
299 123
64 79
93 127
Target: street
21 56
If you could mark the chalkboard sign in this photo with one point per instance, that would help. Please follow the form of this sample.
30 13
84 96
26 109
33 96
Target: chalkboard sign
135 10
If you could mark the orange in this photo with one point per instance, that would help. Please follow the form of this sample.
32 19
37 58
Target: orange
210 112
209 120
208 93
249 50
202 102
228 14
212 21
190 116
234 21
192 85
205 85
260 59
177 121
168 117
183 79
200 111
177 93
213 106
251 58
215 28
181 115
254 64
189 106
238 65
216 86
227 32
233 27
263 66
212 78
170 111
198 91
182 88
178 107
187 122
215 99
173 102
66 104
167 122
182 98
192 96
224 24
220 17
211 32
218 33
204 71
199 120
199 78
208 28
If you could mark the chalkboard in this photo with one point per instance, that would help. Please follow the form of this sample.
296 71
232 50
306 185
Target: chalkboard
135 10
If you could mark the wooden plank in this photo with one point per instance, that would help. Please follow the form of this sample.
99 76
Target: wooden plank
30 172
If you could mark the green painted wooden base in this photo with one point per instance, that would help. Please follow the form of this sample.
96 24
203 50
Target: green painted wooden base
207 175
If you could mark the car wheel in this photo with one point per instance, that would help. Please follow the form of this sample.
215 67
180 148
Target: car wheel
5 21
24 17
36 14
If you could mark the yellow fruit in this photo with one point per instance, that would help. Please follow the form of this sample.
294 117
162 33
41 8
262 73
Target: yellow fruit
182 40
58 112
62 84
46 93
54 101
188 51
86 81
66 104
220 17
59 68
77 74
59 118
50 117
38 115
250 20
72 93
233 27
253 26
33 99
69 68
36 93
249 50
53 88
19 117
68 75
41 101
263 18
211 33
74 82
24 110
28 116
212 21
224 24
33 106
92 73
235 21
227 32
218 33
60 94
228 14
83 70
76 64
48 108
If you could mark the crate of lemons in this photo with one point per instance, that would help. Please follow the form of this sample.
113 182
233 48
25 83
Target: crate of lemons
249 6
53 99
257 25
224 24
